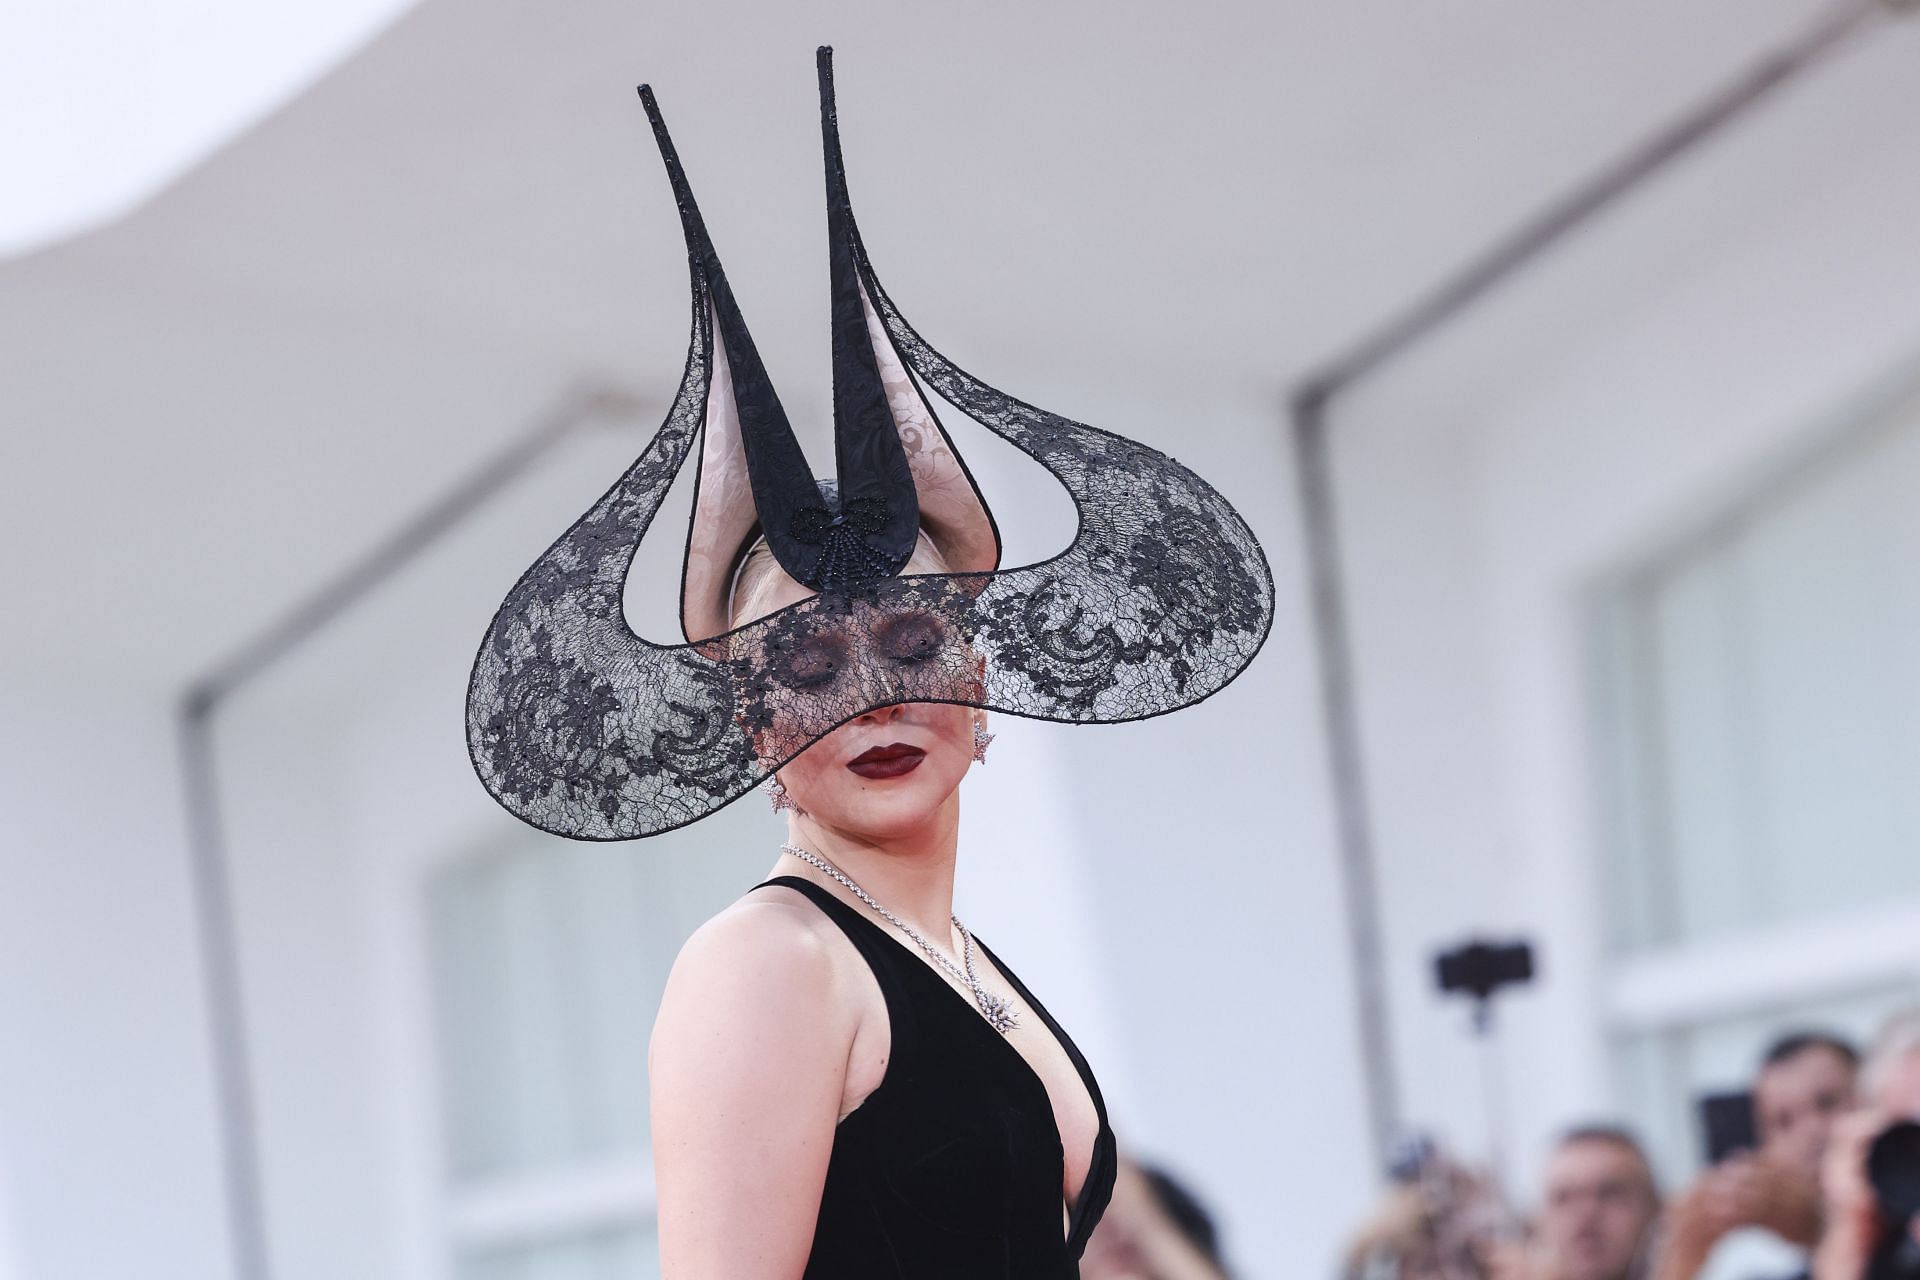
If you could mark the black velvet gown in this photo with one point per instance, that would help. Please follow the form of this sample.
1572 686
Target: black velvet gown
951 1169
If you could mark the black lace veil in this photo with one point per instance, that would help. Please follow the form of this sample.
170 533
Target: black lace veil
584 729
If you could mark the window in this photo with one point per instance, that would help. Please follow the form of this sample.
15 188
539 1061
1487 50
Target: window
604 1255
547 962
1764 673
1771 669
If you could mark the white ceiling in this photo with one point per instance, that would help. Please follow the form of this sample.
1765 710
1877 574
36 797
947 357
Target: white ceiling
1151 216
106 100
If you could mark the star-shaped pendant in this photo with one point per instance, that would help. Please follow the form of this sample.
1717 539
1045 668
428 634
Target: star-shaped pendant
999 1012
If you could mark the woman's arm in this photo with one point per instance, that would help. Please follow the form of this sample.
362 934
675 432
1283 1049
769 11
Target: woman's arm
748 1065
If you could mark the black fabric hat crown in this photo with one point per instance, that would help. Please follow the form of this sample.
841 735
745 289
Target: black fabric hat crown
585 729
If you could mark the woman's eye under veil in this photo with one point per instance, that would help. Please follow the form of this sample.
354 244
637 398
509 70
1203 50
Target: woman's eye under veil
826 661
818 658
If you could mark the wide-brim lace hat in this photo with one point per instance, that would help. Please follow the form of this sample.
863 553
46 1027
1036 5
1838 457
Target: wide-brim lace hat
583 728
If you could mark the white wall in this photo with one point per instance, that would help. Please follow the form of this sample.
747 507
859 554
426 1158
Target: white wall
107 1139
1224 929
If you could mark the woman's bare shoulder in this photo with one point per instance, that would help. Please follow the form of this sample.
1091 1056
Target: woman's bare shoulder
763 958
772 926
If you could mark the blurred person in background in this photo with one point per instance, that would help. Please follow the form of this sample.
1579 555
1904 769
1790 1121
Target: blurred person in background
1598 1213
1154 1229
1439 1221
1859 1242
1805 1084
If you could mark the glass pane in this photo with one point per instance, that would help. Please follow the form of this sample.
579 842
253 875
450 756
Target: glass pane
1773 668
628 1253
548 962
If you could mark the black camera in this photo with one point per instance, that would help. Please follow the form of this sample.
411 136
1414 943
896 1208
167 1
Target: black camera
1727 1125
1893 1168
1481 968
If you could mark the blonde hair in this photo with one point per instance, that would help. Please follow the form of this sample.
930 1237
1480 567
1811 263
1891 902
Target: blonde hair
758 571
1898 1037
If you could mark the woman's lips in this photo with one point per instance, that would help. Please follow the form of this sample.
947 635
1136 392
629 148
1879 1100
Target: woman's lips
890 761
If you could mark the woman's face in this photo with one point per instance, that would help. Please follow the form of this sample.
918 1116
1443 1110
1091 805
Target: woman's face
884 773
887 771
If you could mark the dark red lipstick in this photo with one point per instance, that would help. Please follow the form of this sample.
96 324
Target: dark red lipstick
890 761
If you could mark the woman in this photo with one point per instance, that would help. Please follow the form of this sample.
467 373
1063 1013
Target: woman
846 1083
793 1131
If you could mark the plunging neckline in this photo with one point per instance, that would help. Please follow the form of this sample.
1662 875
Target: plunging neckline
1077 1210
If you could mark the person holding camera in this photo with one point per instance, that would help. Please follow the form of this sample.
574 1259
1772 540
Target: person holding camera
1597 1218
1154 1229
1438 1221
1805 1085
1871 1176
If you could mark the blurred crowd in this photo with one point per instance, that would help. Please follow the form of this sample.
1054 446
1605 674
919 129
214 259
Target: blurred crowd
1830 1169
1825 1162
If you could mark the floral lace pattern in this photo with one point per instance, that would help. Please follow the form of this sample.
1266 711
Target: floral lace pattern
584 729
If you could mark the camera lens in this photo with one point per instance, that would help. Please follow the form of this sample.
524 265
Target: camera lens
1893 1167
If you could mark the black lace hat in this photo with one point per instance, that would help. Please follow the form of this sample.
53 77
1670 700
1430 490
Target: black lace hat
585 729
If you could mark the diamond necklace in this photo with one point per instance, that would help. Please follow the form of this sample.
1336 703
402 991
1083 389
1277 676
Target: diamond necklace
998 1010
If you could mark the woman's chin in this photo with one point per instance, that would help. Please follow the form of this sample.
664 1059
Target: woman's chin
890 809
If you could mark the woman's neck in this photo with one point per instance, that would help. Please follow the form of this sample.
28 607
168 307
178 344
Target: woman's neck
908 873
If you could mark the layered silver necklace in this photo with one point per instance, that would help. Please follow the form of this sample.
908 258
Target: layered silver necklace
998 1011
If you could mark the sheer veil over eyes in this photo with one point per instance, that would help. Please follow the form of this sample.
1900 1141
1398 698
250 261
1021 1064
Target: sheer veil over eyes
583 728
